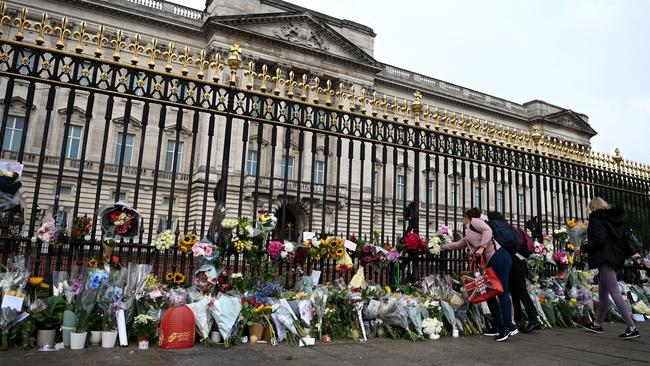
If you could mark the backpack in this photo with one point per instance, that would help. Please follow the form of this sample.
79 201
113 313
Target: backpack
505 235
526 243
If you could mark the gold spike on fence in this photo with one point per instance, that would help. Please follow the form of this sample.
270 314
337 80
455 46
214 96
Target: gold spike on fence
283 84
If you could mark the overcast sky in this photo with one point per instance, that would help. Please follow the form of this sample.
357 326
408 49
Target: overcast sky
591 56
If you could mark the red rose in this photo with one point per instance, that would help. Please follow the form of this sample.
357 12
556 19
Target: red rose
115 259
225 287
224 274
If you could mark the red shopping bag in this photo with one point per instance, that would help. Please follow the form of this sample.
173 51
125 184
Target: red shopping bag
177 328
481 283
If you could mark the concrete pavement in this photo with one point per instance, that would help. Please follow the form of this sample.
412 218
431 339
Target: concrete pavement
546 347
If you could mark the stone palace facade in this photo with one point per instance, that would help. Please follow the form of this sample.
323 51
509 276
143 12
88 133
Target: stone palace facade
274 33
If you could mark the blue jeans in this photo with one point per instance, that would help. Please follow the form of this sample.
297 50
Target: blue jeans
501 310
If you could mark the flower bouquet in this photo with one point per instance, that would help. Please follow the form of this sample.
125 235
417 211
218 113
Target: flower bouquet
187 241
225 310
81 226
10 184
414 245
165 240
441 237
203 319
120 220
432 327
144 327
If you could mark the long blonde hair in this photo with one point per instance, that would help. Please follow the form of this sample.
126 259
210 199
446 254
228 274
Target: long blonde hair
598 203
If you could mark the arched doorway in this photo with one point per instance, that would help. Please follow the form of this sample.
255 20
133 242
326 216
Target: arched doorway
288 215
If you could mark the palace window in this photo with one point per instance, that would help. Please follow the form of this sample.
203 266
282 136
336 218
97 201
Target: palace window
251 162
500 202
119 196
477 197
454 194
522 204
74 142
401 185
13 133
430 191
319 172
128 148
169 156
286 167
65 191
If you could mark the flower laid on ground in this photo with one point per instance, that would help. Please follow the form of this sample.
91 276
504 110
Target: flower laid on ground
97 279
144 325
187 241
432 327
165 240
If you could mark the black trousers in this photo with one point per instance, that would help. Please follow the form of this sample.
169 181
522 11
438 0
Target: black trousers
519 292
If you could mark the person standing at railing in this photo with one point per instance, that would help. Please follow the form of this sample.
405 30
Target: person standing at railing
478 239
606 251
510 240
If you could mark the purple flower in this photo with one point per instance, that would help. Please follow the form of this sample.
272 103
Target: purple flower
77 287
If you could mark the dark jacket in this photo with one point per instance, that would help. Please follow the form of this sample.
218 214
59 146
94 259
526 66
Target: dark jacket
505 235
605 238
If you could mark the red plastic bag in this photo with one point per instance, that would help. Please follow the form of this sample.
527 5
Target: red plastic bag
481 283
177 328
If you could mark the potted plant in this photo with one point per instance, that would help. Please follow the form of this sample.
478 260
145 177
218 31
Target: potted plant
95 326
109 331
48 320
143 327
80 333
252 318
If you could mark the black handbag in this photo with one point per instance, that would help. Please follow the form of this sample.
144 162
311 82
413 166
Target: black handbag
632 243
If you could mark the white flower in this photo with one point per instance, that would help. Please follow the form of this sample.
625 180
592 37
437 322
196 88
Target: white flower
283 254
236 275
288 246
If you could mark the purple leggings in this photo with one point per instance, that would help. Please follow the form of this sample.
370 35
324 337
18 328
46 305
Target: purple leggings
609 286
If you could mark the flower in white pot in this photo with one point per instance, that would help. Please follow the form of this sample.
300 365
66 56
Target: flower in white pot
143 328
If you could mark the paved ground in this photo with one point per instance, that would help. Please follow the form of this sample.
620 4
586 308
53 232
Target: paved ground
547 347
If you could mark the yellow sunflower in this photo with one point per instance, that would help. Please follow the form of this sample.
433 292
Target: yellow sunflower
188 239
169 276
339 252
45 286
179 278
93 262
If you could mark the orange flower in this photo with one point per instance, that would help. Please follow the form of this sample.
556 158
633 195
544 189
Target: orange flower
36 281
571 223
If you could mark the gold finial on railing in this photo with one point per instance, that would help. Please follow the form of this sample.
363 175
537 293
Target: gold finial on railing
42 28
63 32
170 56
118 44
341 95
536 136
136 49
416 106
436 119
264 77
617 157
291 84
203 64
101 40
384 106
22 23
328 92
363 100
304 88
278 80
375 104
234 62
185 60
395 108
250 75
352 99
4 18
217 67
153 53
427 117
81 36
405 111
445 120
